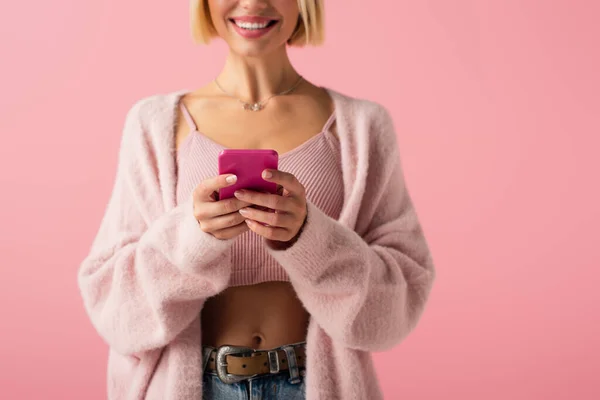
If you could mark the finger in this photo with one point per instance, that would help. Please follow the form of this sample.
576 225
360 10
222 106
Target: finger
231 232
286 180
278 220
269 232
221 222
273 201
218 208
206 189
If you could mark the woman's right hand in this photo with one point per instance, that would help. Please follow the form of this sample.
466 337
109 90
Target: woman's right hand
220 218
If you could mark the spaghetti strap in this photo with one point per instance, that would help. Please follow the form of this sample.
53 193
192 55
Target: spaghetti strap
329 122
187 116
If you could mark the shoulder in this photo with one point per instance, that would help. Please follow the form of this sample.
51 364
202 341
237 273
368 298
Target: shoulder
358 107
153 108
150 119
367 120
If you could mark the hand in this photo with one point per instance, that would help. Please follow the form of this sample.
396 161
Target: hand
290 210
219 218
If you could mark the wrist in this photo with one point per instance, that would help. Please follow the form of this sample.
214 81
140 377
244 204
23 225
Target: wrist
281 245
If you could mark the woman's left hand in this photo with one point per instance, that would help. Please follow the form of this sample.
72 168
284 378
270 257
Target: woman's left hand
284 224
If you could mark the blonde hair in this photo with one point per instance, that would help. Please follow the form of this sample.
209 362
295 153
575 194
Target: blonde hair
309 30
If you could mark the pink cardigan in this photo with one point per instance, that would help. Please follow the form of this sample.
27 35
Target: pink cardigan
364 278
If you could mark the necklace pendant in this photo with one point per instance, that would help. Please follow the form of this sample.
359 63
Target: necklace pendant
253 107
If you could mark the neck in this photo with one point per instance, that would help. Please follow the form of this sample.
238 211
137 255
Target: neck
255 78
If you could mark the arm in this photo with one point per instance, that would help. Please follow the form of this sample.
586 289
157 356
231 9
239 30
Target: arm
366 291
148 272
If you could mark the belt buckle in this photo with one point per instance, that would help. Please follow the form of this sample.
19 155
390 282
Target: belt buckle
221 362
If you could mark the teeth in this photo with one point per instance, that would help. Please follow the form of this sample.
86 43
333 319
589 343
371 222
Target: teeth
251 25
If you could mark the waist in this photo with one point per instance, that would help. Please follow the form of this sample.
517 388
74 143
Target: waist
260 316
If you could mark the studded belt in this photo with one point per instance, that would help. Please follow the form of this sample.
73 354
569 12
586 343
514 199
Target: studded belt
236 363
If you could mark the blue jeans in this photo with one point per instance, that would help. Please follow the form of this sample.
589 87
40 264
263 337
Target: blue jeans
267 387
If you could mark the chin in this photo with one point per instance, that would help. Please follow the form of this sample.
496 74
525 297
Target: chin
255 50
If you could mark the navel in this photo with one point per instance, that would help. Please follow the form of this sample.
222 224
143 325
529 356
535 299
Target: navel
257 339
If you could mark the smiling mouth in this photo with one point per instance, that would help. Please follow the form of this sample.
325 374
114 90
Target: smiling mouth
253 26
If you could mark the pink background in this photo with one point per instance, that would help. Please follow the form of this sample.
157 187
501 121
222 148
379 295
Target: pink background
497 109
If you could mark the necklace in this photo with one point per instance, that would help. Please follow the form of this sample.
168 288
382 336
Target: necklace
259 105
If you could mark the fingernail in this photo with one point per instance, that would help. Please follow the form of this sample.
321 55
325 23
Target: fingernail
238 193
243 211
231 179
267 174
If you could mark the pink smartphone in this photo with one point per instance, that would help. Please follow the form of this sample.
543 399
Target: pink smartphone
247 165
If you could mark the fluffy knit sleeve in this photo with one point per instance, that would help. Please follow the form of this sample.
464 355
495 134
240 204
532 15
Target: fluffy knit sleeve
367 291
149 269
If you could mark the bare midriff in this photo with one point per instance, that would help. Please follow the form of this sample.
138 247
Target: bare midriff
261 316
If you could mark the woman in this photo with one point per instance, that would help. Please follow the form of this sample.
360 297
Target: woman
194 296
